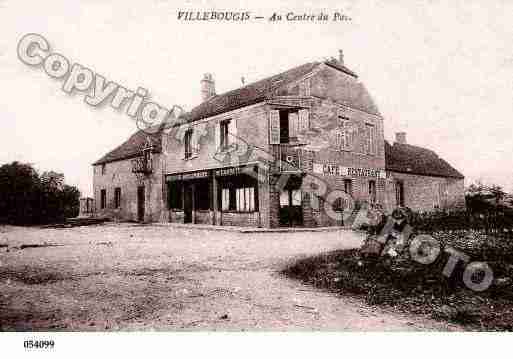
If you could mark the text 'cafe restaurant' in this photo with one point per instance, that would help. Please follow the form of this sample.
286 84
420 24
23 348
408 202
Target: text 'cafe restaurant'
238 196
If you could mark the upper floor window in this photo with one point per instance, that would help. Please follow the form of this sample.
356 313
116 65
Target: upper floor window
370 139
226 134
344 136
224 140
292 122
304 88
103 169
188 144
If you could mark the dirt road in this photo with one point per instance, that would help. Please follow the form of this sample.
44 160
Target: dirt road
133 277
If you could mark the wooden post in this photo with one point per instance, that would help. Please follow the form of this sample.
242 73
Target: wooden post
214 198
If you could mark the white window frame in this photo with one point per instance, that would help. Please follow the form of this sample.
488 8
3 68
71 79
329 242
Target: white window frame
370 139
344 140
225 199
245 199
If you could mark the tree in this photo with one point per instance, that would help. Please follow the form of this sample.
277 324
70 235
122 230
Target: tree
27 198
481 198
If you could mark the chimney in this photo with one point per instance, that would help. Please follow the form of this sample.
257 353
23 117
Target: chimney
208 87
400 137
341 56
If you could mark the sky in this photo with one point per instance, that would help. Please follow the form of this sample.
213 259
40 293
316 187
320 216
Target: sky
441 71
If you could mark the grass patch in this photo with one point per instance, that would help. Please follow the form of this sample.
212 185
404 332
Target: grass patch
410 287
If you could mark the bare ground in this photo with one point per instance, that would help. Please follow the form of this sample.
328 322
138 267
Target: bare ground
135 277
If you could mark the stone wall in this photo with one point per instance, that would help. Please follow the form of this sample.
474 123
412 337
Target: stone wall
425 193
119 174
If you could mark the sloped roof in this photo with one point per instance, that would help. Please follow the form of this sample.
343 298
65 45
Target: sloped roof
406 158
132 147
244 96
247 95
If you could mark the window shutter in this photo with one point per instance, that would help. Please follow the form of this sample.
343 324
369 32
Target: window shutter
217 136
274 127
304 121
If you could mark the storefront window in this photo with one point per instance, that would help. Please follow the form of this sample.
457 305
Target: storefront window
238 193
245 199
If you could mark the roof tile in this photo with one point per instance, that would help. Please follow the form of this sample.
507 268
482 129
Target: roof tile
406 158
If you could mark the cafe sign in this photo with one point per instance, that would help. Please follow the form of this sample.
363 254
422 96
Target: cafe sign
327 169
233 171
187 176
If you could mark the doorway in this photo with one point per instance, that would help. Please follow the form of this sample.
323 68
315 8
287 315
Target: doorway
291 211
140 203
187 204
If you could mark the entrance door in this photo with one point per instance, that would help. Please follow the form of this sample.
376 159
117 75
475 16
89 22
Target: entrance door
187 204
291 211
399 193
140 203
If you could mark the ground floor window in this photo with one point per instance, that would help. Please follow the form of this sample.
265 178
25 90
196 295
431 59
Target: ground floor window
174 195
238 193
348 186
399 193
245 199
117 197
225 199
372 191
103 198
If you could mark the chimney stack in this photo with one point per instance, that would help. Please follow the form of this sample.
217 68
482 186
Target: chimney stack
400 137
341 56
208 87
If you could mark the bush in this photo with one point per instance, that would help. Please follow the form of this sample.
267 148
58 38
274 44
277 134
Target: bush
498 222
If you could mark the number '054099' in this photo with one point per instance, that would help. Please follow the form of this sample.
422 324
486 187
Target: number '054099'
38 344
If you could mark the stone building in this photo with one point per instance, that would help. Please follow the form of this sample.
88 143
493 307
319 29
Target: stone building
271 154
